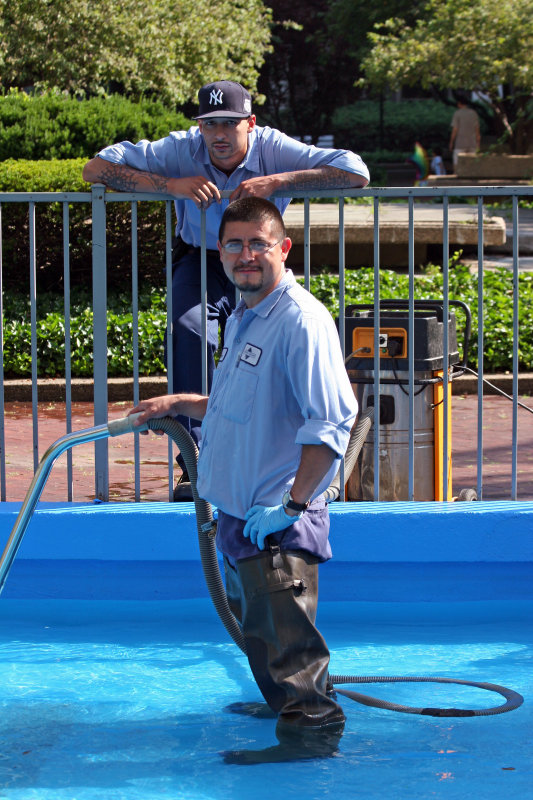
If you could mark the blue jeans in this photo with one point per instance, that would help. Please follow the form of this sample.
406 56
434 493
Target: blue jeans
186 325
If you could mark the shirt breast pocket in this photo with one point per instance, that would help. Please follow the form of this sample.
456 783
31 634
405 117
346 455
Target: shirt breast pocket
241 397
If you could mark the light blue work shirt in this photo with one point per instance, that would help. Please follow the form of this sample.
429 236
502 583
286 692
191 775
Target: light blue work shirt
183 154
280 383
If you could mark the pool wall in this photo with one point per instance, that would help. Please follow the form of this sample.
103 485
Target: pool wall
381 551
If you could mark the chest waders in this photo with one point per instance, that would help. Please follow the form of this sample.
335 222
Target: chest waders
206 528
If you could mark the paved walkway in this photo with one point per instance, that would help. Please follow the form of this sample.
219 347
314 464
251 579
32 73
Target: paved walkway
393 225
497 434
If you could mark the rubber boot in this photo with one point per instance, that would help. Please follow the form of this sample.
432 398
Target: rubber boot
288 656
234 594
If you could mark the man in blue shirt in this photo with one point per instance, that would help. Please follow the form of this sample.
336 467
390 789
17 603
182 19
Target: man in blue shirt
227 151
275 426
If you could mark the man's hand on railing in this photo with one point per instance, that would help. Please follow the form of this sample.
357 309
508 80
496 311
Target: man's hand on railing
316 178
258 187
197 188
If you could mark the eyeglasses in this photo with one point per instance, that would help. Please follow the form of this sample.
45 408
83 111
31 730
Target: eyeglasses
256 247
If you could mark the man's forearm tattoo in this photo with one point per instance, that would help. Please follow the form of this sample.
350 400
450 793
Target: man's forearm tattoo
319 178
126 179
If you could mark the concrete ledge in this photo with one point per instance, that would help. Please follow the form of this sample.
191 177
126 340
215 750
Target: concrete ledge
360 532
393 224
393 232
494 165
454 180
53 390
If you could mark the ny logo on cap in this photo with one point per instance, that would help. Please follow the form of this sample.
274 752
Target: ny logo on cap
215 97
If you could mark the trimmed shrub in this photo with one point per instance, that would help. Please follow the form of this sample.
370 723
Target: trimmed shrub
357 128
497 306
58 176
42 176
498 313
50 126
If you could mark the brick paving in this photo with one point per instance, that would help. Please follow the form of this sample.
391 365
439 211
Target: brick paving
497 449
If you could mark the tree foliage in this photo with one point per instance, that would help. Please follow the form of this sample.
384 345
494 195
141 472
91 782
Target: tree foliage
318 46
167 50
486 47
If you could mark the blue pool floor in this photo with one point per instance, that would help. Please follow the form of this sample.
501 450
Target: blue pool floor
127 700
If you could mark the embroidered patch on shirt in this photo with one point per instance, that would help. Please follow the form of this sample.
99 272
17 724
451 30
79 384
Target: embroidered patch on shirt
251 354
223 355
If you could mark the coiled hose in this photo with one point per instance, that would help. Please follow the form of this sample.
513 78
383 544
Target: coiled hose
206 527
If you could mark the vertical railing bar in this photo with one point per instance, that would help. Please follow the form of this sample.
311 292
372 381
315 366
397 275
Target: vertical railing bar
99 272
203 289
480 347
377 363
445 343
68 343
342 313
307 245
33 319
3 486
411 349
169 333
135 339
516 339
102 477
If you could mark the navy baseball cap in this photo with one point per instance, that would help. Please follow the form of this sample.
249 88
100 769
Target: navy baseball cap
224 99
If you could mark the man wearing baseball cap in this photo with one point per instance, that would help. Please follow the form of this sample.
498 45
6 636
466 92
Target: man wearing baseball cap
226 151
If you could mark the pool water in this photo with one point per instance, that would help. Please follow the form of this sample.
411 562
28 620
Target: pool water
128 699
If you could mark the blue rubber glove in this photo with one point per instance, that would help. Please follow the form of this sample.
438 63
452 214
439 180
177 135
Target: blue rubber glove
264 520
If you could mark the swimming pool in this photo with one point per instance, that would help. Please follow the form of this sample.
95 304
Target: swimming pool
117 673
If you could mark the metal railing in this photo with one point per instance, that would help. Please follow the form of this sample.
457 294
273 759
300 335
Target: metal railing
99 198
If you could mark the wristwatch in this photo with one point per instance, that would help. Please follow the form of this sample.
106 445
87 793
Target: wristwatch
288 502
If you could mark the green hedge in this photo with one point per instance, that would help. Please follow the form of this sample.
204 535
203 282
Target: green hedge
51 334
53 126
497 306
356 127
56 176
498 311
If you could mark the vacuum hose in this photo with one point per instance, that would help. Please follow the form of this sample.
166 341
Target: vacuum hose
206 527
206 537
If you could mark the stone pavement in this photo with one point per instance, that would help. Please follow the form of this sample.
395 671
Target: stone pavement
497 428
393 221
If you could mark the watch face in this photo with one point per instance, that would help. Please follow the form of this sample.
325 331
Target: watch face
288 502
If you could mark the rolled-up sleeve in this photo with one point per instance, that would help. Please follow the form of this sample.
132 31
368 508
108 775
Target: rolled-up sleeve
159 157
290 155
321 385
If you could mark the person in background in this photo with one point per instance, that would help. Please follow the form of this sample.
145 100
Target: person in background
275 426
437 164
465 136
226 151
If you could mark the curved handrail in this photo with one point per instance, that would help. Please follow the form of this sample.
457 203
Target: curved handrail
113 428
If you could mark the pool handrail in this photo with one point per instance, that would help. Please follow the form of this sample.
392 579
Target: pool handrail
113 428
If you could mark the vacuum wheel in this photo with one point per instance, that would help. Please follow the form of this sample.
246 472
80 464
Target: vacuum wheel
467 495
